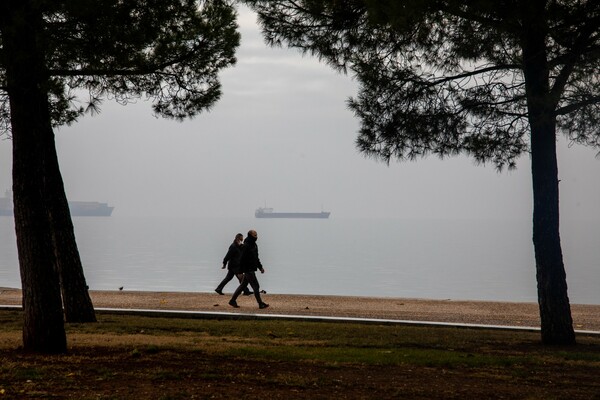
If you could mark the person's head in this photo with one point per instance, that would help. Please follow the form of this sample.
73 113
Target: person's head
252 233
239 238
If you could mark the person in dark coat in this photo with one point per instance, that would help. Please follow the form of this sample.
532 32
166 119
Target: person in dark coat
232 262
249 264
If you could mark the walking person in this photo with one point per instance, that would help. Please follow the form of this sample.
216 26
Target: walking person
232 262
249 264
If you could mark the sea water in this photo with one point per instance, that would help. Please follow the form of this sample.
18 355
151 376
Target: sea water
436 259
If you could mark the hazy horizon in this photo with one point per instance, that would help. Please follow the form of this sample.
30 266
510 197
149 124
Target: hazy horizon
282 136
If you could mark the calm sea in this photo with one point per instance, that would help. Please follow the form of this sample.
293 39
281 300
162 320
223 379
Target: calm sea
437 259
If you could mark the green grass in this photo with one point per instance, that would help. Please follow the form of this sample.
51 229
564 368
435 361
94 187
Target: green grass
187 356
379 356
337 342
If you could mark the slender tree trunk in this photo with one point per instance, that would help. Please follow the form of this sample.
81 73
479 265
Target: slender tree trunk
555 310
77 303
21 26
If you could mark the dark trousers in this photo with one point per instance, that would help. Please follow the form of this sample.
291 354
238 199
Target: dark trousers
228 277
249 278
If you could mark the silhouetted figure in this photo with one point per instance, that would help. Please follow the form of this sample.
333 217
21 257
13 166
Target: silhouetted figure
232 262
249 264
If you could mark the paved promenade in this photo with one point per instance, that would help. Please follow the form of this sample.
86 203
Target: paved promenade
585 317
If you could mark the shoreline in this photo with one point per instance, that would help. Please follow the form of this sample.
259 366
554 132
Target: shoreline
585 317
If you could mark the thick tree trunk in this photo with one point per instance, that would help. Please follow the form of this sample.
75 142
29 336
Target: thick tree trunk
43 329
75 296
555 310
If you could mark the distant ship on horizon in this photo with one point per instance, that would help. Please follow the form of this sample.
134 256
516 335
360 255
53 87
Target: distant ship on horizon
77 208
267 212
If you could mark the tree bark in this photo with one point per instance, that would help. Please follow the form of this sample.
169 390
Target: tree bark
21 26
75 296
553 300
77 303
555 310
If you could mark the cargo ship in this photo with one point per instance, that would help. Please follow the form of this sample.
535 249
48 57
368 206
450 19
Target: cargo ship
265 212
90 209
6 204
77 208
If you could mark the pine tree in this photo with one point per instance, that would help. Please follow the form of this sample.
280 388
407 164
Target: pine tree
494 79
169 51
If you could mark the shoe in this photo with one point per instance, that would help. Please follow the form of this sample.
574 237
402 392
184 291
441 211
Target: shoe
219 291
248 293
263 305
233 304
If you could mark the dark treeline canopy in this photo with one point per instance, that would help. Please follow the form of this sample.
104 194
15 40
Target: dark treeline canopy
491 79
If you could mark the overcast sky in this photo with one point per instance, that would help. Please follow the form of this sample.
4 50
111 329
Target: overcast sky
281 135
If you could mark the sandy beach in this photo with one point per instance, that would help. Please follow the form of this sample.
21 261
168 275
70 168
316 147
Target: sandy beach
585 317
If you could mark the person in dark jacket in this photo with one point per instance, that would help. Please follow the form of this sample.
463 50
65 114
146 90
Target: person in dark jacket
232 262
249 264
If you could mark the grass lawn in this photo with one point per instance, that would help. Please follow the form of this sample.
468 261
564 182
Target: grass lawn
132 357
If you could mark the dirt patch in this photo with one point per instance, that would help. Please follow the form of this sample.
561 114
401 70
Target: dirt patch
149 373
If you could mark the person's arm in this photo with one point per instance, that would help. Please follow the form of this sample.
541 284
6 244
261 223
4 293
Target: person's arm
228 257
260 266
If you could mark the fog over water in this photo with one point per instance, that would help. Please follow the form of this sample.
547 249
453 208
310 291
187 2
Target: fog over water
440 259
282 136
